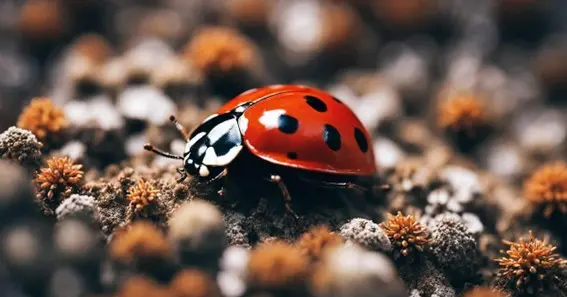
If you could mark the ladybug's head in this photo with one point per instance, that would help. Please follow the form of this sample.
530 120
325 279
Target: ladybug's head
212 146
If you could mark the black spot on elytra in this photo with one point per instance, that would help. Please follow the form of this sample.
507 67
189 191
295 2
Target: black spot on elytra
292 155
361 140
316 103
287 124
336 99
332 137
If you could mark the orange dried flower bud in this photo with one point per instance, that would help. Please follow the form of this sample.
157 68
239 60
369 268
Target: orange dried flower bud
42 118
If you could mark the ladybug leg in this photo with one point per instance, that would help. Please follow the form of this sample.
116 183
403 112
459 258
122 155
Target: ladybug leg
332 185
221 192
179 127
383 187
285 193
182 173
219 176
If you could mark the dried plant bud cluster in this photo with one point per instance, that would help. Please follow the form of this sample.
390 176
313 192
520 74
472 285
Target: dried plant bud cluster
220 50
463 113
186 283
22 146
484 292
277 265
60 177
405 233
93 47
42 19
141 286
547 187
316 240
404 13
530 265
42 118
250 13
141 195
141 241
194 283
87 66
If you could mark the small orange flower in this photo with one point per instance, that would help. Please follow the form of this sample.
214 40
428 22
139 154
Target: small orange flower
220 50
138 285
141 241
141 194
529 263
250 12
194 283
341 25
548 187
316 240
484 292
41 19
462 113
404 13
277 265
405 233
42 118
61 176
93 47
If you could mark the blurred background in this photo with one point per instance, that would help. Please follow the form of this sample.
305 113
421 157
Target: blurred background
472 93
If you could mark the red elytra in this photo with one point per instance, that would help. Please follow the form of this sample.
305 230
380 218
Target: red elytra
319 133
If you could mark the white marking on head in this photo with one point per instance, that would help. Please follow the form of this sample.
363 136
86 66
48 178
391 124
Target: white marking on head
203 171
240 109
242 124
229 156
210 157
270 118
221 129
193 140
189 161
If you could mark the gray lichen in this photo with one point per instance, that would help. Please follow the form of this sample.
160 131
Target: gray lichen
425 280
350 270
454 248
77 205
197 229
367 234
22 146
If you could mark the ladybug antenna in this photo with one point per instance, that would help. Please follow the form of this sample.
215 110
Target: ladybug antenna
151 148
179 127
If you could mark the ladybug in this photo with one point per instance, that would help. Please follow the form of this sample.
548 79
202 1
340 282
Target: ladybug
295 127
